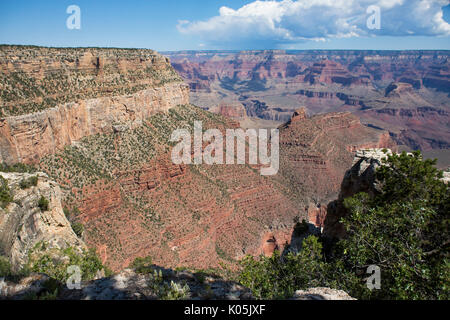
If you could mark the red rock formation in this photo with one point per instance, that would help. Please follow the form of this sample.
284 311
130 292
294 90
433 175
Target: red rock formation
230 110
269 245
317 215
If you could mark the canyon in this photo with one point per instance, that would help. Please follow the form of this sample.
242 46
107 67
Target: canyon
406 93
98 122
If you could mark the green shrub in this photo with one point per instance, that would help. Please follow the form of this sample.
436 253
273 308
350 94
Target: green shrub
403 230
67 213
54 262
279 277
26 183
18 167
78 228
43 204
5 193
142 265
166 290
5 267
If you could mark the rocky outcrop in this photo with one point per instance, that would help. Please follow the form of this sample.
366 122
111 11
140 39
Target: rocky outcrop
23 224
153 284
26 288
129 285
321 294
360 178
446 177
234 111
157 283
36 78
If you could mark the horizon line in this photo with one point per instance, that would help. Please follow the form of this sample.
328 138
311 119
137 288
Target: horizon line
208 50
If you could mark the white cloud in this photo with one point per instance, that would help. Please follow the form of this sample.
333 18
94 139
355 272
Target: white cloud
288 21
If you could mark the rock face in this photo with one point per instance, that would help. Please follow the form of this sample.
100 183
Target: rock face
26 287
321 294
403 92
29 137
360 178
38 78
23 224
446 178
234 111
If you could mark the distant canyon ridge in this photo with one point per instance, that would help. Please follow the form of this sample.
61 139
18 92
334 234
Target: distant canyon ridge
406 93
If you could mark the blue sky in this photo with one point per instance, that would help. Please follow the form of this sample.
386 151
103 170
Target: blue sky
228 24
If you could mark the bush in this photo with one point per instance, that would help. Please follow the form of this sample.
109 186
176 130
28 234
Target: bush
5 193
5 267
142 265
54 262
43 204
279 277
78 228
26 183
18 167
403 230
67 213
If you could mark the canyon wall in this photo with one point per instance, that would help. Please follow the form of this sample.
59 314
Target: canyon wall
27 138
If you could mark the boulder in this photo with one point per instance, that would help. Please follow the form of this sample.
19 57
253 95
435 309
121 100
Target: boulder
321 294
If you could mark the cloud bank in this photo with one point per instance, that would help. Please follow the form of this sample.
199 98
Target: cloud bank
285 22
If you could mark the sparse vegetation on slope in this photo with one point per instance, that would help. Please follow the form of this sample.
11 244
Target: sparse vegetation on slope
127 188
